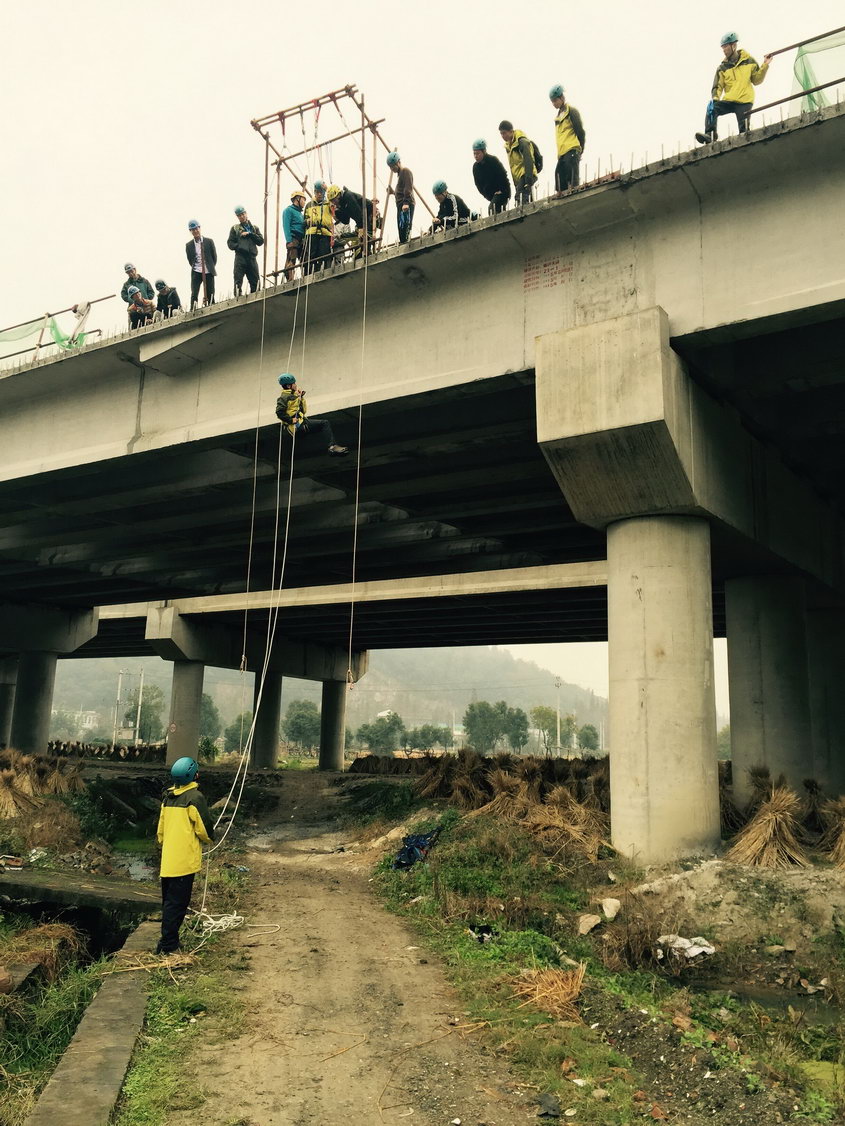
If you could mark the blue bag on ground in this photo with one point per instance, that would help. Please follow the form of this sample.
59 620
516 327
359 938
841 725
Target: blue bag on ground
414 848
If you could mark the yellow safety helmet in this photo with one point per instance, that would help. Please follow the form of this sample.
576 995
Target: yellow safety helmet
299 192
333 192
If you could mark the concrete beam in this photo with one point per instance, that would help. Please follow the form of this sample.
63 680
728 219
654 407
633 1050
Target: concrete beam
176 637
183 730
29 628
626 433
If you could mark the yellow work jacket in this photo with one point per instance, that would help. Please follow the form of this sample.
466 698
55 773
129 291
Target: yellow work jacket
515 156
184 825
291 410
318 218
565 135
736 78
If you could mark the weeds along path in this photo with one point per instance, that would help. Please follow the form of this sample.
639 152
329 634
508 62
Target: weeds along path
345 1015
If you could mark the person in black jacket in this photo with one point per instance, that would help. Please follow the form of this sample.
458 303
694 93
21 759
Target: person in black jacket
349 207
490 177
202 258
245 239
453 212
168 299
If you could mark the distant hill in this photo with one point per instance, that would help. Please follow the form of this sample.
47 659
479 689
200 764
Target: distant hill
422 685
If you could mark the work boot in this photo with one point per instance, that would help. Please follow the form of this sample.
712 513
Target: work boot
704 138
338 451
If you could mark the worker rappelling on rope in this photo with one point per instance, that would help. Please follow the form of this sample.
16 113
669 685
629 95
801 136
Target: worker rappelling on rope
184 826
736 76
569 137
245 237
292 412
202 258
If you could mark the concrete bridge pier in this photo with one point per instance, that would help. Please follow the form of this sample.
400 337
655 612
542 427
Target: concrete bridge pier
332 724
8 677
767 679
268 713
33 702
183 731
663 773
826 665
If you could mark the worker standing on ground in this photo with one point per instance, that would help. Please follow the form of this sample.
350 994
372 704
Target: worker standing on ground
293 224
570 136
202 257
404 192
490 177
319 229
245 238
523 158
168 299
134 278
184 825
453 212
736 76
292 412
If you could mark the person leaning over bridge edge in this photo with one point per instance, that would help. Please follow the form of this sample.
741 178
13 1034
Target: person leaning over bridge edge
570 136
351 207
184 826
522 159
292 412
319 229
245 238
490 177
202 257
134 278
168 299
404 192
141 309
736 76
453 212
293 224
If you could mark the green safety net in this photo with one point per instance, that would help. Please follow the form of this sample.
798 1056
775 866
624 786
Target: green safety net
817 63
48 324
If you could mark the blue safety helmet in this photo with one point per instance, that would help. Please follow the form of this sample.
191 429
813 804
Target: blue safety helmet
193 225
132 290
319 186
286 379
184 770
438 186
556 92
240 210
393 158
480 145
731 37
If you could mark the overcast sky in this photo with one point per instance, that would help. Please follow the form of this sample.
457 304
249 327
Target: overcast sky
122 121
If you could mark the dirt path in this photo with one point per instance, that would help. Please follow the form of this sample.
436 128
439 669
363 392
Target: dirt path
339 999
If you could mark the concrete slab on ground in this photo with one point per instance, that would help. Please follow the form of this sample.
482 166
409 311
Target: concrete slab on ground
77 889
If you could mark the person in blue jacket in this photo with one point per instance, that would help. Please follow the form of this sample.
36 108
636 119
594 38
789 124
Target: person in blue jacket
293 222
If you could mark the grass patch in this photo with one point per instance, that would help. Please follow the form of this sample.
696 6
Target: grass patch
134 845
376 802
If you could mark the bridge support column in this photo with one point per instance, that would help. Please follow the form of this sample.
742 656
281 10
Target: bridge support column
265 738
826 665
332 724
8 677
767 679
33 702
663 773
183 732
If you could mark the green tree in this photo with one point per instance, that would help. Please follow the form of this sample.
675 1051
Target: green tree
210 723
483 725
544 719
63 725
588 738
384 735
301 724
236 733
516 728
151 728
723 742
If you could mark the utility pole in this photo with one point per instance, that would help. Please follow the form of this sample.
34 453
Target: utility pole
138 713
117 706
557 743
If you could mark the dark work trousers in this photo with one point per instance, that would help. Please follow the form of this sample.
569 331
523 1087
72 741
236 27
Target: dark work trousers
196 282
568 170
318 250
522 191
404 221
317 426
175 898
294 254
136 319
245 264
498 203
715 110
